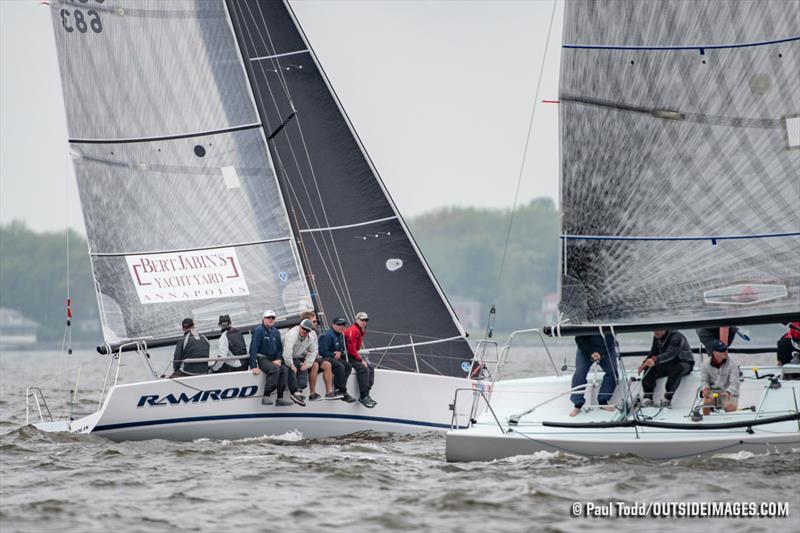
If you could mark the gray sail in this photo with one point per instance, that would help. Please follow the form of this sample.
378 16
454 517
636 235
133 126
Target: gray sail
360 255
680 171
183 213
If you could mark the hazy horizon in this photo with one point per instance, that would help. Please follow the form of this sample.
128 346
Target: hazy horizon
439 92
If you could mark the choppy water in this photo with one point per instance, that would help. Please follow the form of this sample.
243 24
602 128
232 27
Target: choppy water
366 482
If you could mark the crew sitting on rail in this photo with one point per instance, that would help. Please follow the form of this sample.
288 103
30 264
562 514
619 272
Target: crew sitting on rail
300 355
266 355
787 350
594 349
332 349
670 357
365 372
719 377
231 343
191 346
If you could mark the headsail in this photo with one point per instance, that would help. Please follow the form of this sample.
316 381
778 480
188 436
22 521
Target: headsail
180 199
356 244
680 161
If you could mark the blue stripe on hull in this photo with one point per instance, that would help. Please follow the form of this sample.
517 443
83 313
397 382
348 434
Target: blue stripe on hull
142 423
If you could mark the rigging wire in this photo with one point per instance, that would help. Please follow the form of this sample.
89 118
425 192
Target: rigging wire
524 154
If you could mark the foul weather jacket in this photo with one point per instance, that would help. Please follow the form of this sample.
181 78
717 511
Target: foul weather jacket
330 342
265 342
354 338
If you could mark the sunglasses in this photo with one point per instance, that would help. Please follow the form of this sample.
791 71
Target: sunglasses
270 317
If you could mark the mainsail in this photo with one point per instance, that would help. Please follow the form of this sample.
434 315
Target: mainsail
680 148
218 174
357 247
182 208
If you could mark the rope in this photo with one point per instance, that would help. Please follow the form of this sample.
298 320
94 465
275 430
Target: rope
525 152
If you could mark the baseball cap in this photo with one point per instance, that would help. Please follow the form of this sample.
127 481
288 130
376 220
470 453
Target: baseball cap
362 316
187 323
339 321
719 346
269 313
307 325
224 320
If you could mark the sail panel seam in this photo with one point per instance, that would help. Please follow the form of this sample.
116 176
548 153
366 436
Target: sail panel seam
700 47
678 238
232 245
166 137
347 226
415 344
274 56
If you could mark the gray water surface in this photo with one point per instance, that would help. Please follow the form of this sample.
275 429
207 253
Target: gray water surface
364 482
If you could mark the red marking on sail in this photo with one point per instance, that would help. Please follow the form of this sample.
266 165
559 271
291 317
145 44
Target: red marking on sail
69 308
550 101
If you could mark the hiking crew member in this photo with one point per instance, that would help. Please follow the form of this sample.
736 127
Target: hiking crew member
266 355
299 355
670 356
231 343
785 348
332 349
720 376
594 349
191 346
365 373
314 370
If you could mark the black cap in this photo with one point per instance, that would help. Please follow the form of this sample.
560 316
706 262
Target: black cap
187 323
339 321
224 320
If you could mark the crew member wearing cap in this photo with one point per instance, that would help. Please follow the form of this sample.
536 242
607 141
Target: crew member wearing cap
327 375
231 344
332 349
266 355
719 377
300 355
192 345
365 373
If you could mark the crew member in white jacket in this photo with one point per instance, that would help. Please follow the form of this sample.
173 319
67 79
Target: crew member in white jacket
300 354
720 380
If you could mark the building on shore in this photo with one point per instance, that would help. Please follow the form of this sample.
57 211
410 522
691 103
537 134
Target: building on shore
16 330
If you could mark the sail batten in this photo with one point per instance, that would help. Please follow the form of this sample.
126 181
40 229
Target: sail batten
666 143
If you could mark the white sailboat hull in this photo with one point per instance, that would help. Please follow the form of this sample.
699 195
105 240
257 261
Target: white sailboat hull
486 441
228 406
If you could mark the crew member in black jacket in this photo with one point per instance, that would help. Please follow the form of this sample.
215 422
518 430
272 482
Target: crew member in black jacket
670 357
192 345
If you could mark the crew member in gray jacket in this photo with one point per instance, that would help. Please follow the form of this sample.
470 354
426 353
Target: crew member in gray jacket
719 378
670 357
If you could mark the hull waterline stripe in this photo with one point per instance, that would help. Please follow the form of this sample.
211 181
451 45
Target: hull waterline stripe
145 423
232 245
260 58
701 48
356 225
165 137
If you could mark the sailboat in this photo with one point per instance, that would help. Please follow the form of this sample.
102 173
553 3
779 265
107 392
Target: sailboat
680 187
219 174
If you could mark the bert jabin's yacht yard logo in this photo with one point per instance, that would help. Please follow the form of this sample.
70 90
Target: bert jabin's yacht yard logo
181 276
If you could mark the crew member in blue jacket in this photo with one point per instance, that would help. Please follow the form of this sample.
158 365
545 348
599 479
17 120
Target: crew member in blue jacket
592 349
266 355
332 349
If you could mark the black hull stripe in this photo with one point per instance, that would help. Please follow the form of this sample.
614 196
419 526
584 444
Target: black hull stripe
144 423
165 137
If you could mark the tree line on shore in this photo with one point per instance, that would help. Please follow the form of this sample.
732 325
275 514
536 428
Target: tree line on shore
464 247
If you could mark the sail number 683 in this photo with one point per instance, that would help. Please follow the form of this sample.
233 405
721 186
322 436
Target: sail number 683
76 20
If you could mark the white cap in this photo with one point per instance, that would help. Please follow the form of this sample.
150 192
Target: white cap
269 313
362 316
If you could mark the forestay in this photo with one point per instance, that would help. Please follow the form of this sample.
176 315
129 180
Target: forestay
680 147
182 209
357 247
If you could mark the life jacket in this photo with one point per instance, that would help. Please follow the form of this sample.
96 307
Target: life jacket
236 343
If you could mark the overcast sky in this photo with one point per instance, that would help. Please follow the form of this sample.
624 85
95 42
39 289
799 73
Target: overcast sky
440 93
